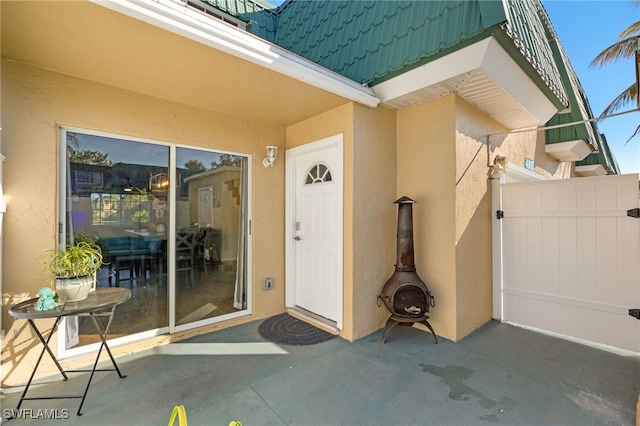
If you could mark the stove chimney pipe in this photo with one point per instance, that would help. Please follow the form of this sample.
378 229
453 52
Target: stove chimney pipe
405 261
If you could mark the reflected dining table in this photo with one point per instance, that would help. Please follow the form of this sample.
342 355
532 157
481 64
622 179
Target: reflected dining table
99 303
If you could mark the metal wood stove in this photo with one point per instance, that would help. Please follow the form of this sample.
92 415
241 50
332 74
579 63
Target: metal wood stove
405 295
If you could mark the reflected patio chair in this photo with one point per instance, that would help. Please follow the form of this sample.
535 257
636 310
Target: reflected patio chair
209 247
185 254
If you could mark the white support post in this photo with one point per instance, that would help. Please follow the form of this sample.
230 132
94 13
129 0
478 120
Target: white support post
496 244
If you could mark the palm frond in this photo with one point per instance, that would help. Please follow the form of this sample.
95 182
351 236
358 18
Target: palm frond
636 133
623 49
627 96
631 31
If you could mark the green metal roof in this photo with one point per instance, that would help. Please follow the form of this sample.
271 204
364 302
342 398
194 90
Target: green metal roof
579 108
371 41
259 15
529 28
368 41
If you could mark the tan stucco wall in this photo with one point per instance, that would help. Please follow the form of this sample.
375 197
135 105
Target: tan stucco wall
369 217
426 173
34 102
374 214
517 146
473 219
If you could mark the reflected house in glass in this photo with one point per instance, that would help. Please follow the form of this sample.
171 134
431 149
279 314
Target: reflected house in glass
107 194
214 203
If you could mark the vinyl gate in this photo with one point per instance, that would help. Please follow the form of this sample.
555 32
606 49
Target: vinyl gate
571 258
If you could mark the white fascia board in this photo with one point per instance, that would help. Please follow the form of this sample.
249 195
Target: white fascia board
591 170
486 55
499 65
177 18
456 63
569 151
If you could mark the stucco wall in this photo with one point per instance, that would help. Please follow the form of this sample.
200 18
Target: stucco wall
374 214
426 173
473 219
531 144
34 102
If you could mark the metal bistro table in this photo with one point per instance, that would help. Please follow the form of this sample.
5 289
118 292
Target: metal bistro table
100 303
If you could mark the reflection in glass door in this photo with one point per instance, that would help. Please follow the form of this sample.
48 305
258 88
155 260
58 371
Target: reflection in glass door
210 243
176 238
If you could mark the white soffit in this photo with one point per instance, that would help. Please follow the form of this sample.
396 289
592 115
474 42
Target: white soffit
591 170
177 18
569 151
484 75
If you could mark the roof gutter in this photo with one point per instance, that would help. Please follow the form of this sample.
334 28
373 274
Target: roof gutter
175 17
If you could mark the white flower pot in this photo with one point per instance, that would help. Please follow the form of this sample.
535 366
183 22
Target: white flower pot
73 289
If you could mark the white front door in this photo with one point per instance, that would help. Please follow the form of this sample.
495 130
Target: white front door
314 223
205 207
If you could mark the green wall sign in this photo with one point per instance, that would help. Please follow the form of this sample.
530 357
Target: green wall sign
529 164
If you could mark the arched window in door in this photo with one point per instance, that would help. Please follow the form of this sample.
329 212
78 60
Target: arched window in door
318 173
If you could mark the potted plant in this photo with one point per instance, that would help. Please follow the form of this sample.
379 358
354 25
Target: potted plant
74 269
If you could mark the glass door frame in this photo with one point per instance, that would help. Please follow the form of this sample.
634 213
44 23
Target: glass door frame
63 351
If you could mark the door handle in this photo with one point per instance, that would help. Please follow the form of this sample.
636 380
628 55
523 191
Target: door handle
297 238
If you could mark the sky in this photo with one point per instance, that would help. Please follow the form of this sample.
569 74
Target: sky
585 28
142 153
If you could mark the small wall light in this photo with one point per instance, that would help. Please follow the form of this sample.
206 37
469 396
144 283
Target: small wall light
272 153
500 164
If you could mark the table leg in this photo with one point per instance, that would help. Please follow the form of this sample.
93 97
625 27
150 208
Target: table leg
46 344
103 337
45 348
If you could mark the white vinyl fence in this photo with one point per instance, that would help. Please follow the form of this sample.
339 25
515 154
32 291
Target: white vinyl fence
571 258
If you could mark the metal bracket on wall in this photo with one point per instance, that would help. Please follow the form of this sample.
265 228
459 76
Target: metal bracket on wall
634 213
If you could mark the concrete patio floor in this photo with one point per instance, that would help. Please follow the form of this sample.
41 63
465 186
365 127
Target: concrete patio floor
500 374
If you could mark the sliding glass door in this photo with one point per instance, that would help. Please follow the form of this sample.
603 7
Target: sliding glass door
171 222
210 243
